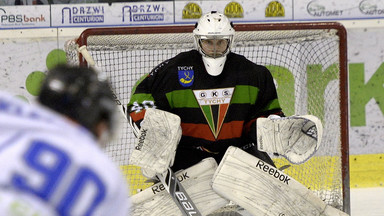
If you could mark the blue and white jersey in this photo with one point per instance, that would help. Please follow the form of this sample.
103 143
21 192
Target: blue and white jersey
58 162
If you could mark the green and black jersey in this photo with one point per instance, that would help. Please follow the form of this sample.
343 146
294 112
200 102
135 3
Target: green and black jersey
215 111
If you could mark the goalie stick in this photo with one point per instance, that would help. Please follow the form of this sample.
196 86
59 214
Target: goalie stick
168 179
87 56
178 193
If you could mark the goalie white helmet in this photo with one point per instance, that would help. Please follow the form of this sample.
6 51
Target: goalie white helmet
214 35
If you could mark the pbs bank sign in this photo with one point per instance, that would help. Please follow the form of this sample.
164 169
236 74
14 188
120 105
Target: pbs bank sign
12 17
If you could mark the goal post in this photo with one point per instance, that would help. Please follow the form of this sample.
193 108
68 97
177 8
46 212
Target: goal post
307 60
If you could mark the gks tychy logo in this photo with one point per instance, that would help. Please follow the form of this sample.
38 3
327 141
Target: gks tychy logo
214 104
186 75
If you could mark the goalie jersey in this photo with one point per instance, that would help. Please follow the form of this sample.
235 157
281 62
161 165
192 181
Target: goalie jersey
56 162
216 111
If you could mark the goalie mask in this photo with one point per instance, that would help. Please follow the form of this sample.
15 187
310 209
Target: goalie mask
213 39
78 93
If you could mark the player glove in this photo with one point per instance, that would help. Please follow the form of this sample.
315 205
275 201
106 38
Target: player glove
296 138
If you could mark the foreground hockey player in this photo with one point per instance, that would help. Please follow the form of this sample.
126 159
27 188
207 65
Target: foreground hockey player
50 156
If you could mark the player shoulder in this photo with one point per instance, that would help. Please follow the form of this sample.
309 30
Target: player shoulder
191 54
181 58
244 62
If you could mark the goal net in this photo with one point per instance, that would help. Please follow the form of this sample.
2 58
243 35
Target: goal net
307 60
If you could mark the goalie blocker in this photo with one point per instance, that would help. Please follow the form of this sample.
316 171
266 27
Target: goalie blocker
264 190
155 151
156 144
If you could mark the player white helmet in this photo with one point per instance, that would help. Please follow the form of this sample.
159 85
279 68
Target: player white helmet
214 35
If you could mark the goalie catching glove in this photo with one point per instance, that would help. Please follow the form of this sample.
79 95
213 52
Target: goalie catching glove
156 144
296 138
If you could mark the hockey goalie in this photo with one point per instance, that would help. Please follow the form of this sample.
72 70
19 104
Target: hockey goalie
249 182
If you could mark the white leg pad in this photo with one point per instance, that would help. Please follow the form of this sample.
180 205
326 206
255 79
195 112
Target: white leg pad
264 190
196 180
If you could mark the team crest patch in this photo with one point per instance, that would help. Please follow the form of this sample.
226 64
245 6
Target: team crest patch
186 75
214 104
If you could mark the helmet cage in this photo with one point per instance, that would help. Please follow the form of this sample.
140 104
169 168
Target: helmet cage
215 48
